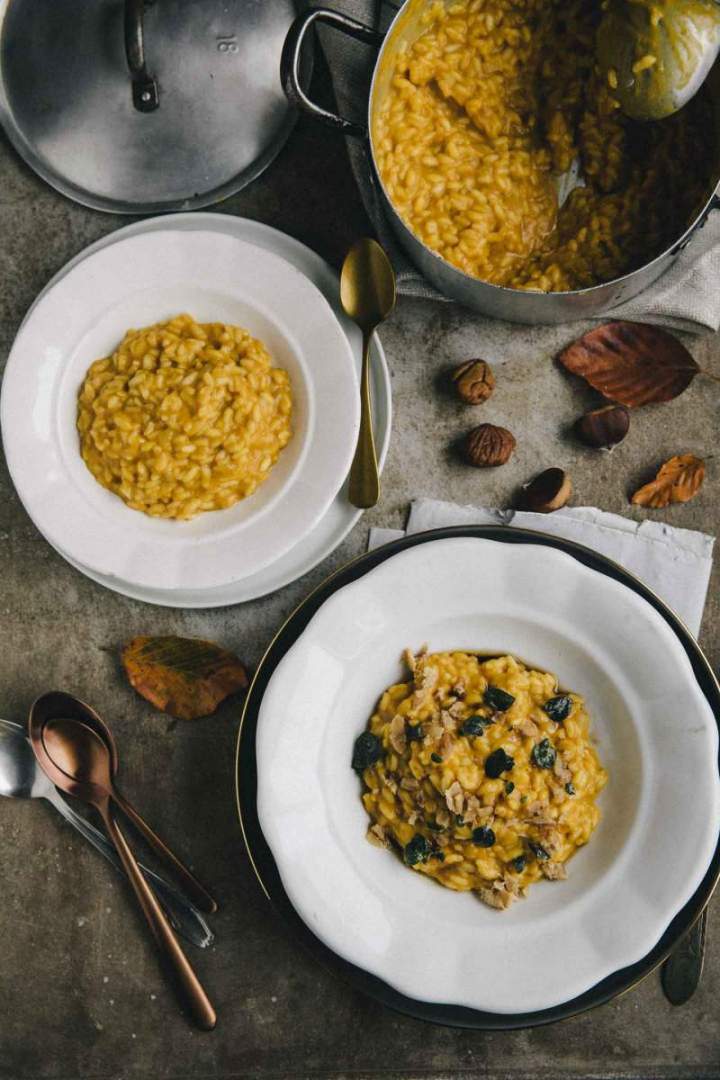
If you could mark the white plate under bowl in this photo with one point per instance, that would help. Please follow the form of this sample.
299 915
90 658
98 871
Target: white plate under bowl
341 516
144 279
656 735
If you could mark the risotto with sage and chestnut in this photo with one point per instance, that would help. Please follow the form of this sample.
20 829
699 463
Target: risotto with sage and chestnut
481 773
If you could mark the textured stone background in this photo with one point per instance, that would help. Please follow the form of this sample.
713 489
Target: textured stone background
80 991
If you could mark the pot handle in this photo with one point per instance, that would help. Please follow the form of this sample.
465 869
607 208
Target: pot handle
291 57
144 86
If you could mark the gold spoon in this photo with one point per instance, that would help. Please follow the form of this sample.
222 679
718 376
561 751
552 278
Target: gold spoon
367 292
78 761
656 54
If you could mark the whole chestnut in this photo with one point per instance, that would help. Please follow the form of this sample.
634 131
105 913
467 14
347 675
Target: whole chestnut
488 445
604 427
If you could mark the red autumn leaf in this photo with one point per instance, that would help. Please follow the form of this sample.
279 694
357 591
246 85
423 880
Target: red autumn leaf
185 677
632 363
677 481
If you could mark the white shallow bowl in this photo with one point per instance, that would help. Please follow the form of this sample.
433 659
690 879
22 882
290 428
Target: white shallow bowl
656 735
145 279
334 526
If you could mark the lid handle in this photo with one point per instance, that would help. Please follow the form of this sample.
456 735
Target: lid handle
144 86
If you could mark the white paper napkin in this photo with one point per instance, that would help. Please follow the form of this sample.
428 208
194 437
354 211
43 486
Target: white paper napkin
674 563
686 297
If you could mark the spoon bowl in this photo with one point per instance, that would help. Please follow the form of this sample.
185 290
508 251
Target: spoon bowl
81 756
367 284
656 54
57 704
20 777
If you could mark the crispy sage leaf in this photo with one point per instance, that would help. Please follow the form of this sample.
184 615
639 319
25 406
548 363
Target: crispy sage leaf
677 481
632 363
185 677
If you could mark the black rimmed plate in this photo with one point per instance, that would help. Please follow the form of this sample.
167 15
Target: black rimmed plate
265 865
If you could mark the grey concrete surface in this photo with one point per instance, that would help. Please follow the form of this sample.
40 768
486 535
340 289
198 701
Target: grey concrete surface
80 991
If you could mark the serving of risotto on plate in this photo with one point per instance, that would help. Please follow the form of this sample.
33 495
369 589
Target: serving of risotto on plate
492 114
184 417
481 773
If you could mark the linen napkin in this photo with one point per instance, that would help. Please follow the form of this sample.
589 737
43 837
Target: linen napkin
685 298
674 563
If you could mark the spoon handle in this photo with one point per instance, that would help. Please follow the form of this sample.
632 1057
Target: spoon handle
683 968
364 479
198 1001
191 885
183 917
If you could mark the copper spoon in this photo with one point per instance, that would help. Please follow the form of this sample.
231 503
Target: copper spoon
58 704
22 778
79 762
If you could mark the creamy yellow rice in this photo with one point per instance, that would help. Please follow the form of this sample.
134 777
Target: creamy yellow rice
184 417
480 773
491 104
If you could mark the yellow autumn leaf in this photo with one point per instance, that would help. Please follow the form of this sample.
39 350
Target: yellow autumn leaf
677 481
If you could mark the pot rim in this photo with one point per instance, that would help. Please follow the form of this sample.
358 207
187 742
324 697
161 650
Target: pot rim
590 290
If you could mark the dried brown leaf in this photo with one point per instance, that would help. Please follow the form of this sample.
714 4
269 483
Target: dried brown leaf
185 677
632 363
677 481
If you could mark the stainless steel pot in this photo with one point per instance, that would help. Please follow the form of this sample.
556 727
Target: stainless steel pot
514 305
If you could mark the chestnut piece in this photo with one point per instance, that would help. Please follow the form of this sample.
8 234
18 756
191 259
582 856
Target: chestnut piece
474 381
604 427
550 490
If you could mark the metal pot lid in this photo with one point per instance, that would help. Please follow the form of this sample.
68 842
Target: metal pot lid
144 105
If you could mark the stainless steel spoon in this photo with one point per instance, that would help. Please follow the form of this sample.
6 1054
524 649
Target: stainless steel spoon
22 778
656 54
683 968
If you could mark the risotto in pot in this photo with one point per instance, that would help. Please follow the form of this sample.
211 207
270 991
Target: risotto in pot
481 773
490 114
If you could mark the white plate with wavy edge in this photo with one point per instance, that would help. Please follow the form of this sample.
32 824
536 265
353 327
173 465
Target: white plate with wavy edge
335 525
144 279
656 735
